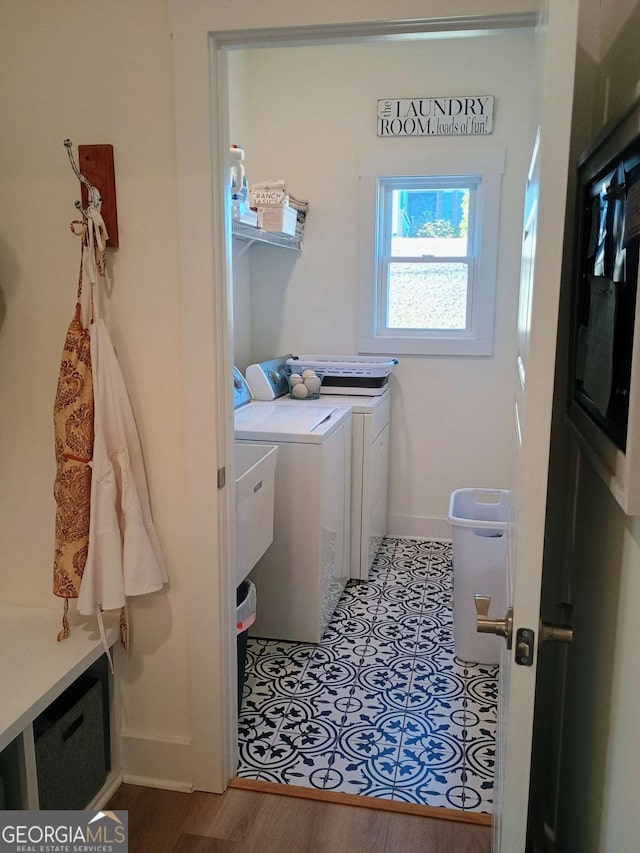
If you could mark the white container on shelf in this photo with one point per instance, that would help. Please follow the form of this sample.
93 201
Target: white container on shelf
479 518
279 219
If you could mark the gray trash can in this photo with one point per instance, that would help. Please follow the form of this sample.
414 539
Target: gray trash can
479 518
245 617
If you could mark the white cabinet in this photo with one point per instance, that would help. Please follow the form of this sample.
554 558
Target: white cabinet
369 485
374 524
35 670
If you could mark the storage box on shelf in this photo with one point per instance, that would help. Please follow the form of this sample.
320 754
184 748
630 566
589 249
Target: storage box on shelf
281 216
280 219
71 759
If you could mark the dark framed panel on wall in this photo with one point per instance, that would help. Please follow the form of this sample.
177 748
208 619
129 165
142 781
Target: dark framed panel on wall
604 403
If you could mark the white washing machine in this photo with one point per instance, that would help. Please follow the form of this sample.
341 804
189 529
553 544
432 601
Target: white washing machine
301 576
369 451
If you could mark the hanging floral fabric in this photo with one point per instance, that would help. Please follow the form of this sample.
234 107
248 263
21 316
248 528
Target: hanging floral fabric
73 428
106 543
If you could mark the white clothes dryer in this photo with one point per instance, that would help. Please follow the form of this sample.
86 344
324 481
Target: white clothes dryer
369 451
301 576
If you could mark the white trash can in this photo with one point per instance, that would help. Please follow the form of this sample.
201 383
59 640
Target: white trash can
479 518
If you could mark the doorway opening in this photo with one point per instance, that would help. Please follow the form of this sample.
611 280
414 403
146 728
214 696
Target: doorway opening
303 114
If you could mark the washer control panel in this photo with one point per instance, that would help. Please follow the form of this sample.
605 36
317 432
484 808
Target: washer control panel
241 392
268 380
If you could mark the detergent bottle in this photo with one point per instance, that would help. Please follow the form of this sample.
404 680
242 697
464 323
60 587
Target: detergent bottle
239 190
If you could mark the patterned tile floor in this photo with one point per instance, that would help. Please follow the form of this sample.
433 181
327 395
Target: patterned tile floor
381 706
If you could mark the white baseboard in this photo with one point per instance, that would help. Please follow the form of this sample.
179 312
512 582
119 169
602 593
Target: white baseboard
163 784
114 780
157 761
419 528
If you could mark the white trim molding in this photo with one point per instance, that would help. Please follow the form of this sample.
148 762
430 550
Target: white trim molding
202 32
438 158
157 762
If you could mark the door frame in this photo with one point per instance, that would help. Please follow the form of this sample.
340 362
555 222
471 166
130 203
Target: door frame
200 48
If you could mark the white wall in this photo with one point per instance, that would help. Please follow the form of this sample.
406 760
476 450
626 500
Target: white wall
311 113
97 73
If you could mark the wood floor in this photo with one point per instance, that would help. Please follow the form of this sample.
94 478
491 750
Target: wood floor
242 821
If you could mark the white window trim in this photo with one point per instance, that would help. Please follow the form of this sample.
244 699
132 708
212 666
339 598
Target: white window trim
486 162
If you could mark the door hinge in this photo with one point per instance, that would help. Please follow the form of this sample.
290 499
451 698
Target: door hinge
222 477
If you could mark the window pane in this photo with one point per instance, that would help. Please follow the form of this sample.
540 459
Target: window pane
429 222
427 296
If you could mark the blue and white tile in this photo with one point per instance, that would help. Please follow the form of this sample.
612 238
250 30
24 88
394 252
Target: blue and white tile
351 649
346 776
482 689
402 596
402 630
441 558
440 580
327 670
480 756
383 559
368 750
429 649
431 746
300 742
374 692
348 623
333 706
440 546
381 706
350 776
386 651
460 796
428 794
478 792
358 600
255 736
435 608
280 661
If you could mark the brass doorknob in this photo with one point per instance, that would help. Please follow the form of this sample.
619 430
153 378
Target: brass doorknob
484 625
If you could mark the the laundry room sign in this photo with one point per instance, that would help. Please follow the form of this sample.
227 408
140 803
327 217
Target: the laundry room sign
464 115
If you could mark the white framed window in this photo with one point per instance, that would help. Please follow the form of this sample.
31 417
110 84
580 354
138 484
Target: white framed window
429 242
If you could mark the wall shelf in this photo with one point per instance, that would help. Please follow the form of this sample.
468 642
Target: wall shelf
250 234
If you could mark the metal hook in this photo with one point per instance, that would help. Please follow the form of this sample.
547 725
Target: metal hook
67 145
93 194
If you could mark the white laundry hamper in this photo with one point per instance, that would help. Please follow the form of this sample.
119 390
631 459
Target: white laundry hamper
479 518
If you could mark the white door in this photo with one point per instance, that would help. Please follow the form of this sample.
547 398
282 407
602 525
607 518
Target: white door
539 291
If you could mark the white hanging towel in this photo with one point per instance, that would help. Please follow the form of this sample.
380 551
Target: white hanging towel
124 556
